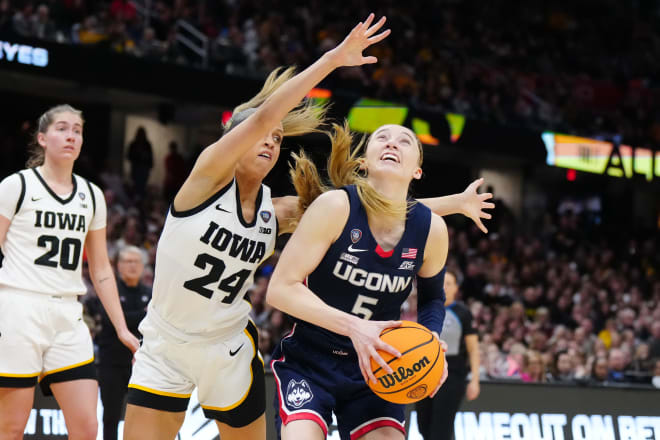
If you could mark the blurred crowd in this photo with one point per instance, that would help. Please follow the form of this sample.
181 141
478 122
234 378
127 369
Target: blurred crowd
559 306
588 67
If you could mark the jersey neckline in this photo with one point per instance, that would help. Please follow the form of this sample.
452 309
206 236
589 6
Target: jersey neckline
52 193
257 206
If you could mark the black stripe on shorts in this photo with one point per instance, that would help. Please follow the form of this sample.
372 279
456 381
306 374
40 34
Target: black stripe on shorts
156 401
254 404
18 382
86 371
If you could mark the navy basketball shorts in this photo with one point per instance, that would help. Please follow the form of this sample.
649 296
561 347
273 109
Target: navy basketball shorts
313 382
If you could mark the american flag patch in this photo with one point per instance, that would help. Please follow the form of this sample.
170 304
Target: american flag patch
409 253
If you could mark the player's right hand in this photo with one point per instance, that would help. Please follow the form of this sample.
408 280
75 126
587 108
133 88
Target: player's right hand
349 52
365 336
129 340
445 371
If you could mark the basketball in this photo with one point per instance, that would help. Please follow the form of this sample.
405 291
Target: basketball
417 372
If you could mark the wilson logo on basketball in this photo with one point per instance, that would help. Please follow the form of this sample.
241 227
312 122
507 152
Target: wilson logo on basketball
401 374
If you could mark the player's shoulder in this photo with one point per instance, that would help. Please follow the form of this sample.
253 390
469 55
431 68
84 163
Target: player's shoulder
438 227
333 199
13 178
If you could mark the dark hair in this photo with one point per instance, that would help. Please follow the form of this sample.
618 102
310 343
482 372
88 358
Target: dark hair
454 274
36 152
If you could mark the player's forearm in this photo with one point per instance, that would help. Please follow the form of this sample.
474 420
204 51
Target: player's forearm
297 300
472 345
446 205
105 285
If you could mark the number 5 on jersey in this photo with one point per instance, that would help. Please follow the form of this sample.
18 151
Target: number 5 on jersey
359 308
231 285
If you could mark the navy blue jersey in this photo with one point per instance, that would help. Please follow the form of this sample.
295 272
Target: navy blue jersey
358 277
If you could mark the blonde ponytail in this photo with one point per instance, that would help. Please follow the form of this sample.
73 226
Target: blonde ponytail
344 168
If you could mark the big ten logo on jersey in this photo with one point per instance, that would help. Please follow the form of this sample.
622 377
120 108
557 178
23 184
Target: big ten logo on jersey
222 239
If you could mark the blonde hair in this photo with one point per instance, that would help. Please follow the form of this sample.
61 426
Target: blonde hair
37 154
344 168
306 118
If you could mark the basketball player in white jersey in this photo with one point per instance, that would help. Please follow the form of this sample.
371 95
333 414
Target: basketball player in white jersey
221 226
48 215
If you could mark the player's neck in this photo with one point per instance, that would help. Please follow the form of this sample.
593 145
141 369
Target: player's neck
248 187
391 189
56 174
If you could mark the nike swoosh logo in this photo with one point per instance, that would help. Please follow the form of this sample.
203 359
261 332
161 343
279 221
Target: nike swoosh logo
220 208
352 249
233 353
36 199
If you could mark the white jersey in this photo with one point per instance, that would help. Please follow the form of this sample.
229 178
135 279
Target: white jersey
205 263
43 249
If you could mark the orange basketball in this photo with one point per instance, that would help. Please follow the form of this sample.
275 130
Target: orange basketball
417 372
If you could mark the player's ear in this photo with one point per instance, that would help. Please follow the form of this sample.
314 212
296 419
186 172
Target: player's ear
41 139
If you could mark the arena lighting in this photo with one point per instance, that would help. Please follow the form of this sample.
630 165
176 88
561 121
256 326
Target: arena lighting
23 54
226 116
600 157
456 124
369 114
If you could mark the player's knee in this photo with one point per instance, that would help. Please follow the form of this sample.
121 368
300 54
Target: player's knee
86 429
11 430
387 433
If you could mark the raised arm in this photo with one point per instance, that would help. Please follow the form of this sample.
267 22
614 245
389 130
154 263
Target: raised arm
319 227
215 166
469 203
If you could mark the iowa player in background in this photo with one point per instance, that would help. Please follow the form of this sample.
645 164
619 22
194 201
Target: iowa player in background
48 215
344 274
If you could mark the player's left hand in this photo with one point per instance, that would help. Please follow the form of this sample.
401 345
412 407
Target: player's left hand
363 35
445 372
472 391
129 340
473 204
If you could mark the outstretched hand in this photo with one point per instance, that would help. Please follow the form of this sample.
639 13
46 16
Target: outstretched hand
475 203
349 52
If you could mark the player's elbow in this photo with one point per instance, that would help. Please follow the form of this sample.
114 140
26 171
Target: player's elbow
274 293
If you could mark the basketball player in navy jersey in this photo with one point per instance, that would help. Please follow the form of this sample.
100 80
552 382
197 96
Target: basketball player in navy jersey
47 215
343 275
221 226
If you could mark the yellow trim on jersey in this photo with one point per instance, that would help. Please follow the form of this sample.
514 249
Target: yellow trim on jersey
79 364
242 399
19 375
160 393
